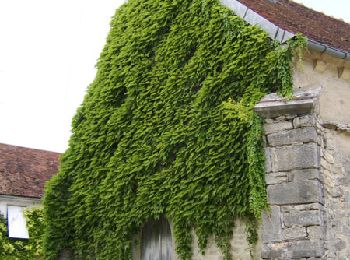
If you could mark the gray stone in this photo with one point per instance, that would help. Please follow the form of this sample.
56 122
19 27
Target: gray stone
294 233
298 135
315 232
272 225
294 193
277 127
268 165
304 175
303 121
275 178
275 108
294 249
302 218
295 157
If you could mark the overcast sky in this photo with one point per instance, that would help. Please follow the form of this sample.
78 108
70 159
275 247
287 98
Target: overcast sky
48 50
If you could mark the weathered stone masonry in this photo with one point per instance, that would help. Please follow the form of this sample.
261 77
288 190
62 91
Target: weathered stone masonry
294 227
335 167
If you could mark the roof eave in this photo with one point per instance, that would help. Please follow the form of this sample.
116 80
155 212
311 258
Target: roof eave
277 33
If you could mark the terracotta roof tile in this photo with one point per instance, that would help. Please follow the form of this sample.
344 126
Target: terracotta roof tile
24 171
297 18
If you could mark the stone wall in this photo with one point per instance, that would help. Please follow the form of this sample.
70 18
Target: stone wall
294 226
332 77
335 167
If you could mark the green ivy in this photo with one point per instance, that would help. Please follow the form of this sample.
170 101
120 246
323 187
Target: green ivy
167 128
23 249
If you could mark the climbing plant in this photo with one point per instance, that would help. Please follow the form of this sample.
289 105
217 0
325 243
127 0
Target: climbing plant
23 249
167 128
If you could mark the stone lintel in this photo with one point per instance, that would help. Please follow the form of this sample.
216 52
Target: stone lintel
272 105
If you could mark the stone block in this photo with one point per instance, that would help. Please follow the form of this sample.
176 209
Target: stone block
302 218
316 232
275 178
288 137
304 175
294 193
304 121
295 157
292 250
277 126
294 233
272 225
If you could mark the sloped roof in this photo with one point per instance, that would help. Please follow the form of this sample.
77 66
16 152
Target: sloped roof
282 19
297 18
24 171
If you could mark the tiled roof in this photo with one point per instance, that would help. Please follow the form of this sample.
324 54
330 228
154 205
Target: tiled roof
297 18
24 171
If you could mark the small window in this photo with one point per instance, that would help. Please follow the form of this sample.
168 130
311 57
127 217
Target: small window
16 222
156 241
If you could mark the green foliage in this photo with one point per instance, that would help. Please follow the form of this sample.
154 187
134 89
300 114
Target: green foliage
36 228
18 249
167 128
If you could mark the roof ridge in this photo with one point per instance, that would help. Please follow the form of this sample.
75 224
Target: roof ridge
28 148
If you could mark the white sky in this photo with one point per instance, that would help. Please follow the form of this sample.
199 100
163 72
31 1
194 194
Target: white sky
48 50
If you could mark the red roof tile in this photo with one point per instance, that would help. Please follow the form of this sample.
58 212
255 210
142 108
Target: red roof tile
297 18
24 171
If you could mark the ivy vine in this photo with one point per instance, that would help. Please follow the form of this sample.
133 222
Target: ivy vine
23 249
167 128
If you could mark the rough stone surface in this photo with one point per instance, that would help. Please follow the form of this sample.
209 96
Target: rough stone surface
302 218
272 225
293 228
277 127
286 158
298 135
294 193
316 232
304 175
304 121
276 178
293 250
329 235
294 233
336 171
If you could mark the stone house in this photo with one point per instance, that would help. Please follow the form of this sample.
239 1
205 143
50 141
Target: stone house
307 147
23 173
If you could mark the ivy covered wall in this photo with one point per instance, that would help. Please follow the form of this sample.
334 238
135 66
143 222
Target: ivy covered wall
167 128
